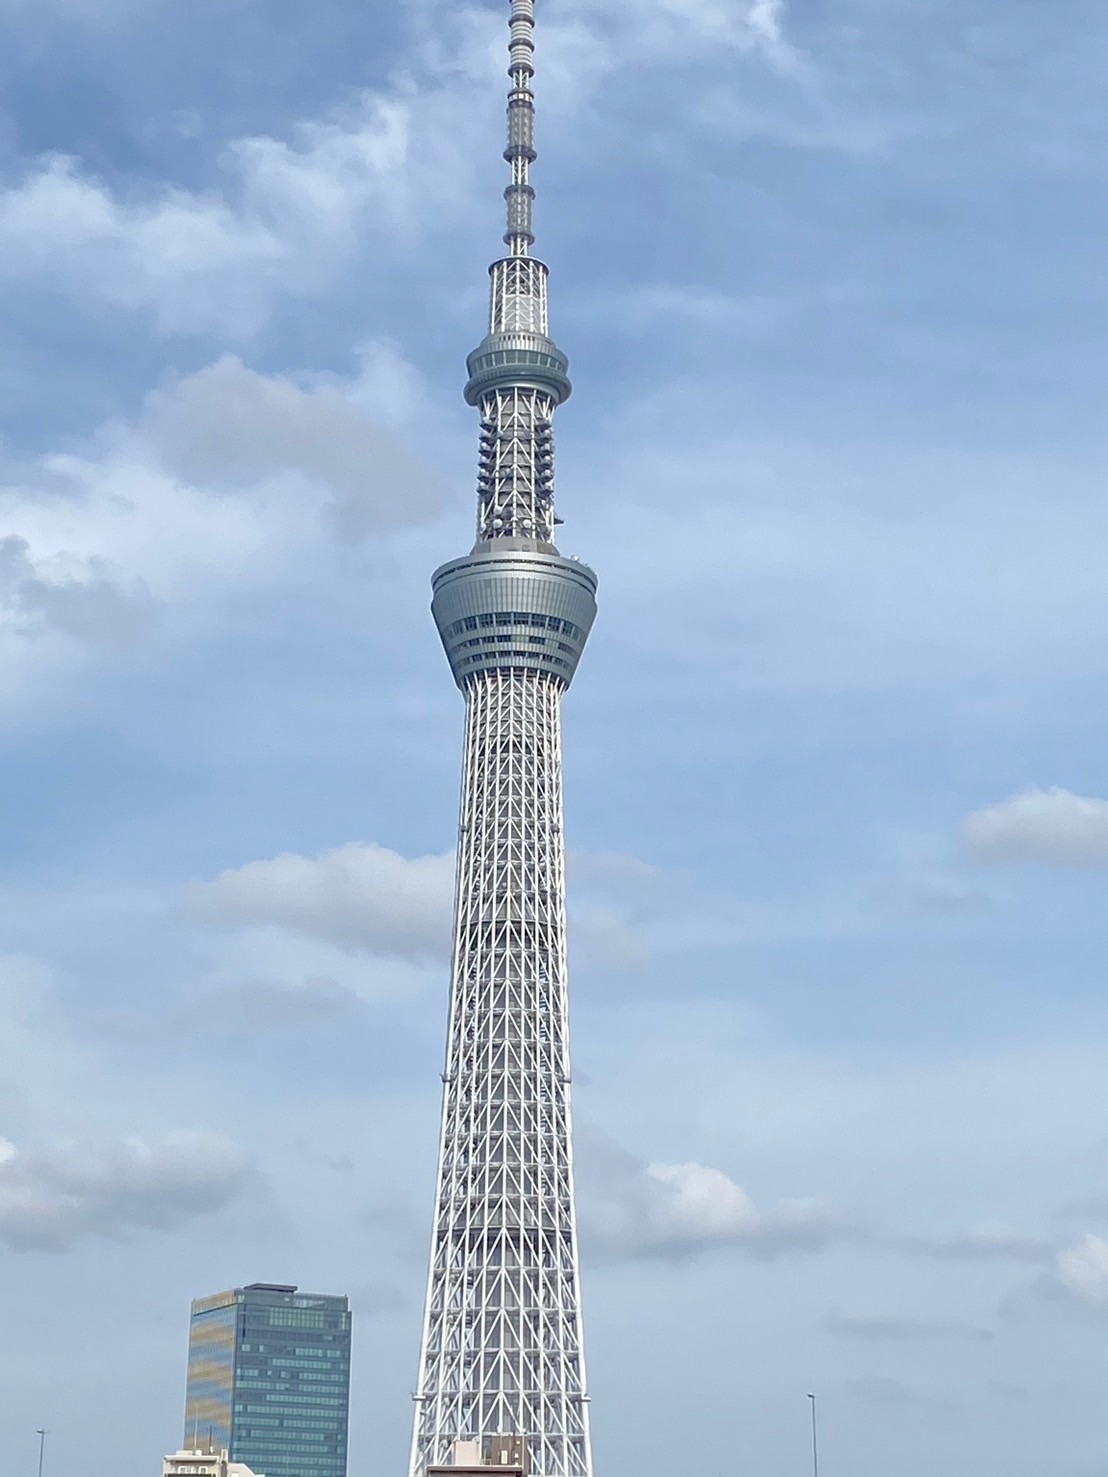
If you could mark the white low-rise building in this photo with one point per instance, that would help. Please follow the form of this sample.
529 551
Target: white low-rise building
204 1464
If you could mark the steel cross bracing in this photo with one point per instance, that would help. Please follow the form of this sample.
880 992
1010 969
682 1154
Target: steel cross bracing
516 487
502 1346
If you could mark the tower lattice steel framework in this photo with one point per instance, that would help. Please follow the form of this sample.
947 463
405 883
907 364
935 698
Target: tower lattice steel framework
502 1345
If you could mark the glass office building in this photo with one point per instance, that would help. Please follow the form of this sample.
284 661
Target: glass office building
269 1379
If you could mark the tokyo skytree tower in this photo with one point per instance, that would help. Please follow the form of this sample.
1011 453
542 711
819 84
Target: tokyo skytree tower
502 1369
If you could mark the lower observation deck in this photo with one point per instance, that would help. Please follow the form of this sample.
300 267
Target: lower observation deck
516 604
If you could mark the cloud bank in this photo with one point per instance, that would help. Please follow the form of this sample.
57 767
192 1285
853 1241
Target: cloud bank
632 1211
1054 827
52 1200
227 483
893 1330
226 425
359 897
985 1244
84 597
211 262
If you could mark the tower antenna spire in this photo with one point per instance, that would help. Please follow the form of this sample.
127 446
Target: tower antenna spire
520 153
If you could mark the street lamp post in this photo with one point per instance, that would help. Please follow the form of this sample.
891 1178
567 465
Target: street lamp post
41 1434
814 1439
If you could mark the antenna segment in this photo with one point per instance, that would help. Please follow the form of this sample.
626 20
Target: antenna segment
520 153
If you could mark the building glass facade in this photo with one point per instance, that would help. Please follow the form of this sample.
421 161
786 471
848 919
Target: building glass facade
269 1379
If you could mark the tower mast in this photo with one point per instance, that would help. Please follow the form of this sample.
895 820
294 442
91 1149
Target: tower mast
502 1361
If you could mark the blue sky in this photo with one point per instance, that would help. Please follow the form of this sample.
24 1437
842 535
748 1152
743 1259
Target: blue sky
831 281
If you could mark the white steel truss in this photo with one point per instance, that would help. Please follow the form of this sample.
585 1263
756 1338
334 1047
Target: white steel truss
515 487
502 1350
519 296
502 1346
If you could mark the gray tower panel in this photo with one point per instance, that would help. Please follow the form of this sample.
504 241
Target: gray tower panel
513 608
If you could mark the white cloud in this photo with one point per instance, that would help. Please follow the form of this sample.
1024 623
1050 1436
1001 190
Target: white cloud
383 177
189 259
284 213
1083 1271
105 541
50 1200
210 262
631 30
358 897
1054 826
72 595
766 20
698 1206
366 898
676 1211
228 481
378 177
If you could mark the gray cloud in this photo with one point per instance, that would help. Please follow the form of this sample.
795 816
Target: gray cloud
262 1004
625 898
901 1330
631 1210
1092 1205
81 597
984 1243
930 895
609 939
377 1299
227 425
1010 1393
881 1392
52 1200
358 897
1053 826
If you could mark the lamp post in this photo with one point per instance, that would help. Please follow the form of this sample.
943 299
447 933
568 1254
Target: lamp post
41 1434
814 1439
